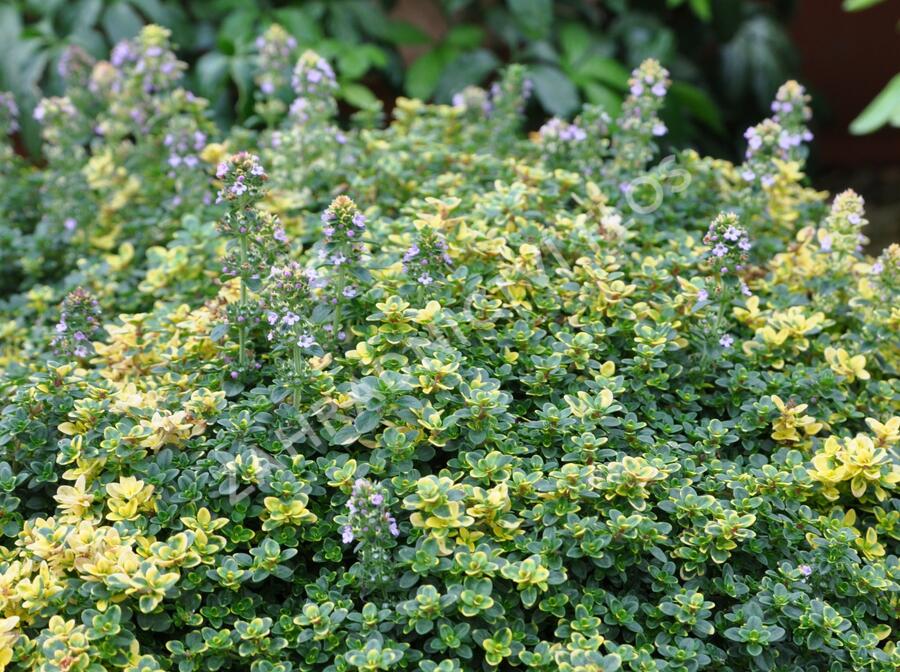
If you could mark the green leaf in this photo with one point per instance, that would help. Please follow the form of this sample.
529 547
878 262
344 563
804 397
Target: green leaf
358 96
353 63
859 5
345 436
78 16
121 22
403 33
465 36
299 24
884 109
702 9
575 40
367 421
242 74
535 17
211 72
464 70
600 94
699 104
423 75
606 70
554 90
238 28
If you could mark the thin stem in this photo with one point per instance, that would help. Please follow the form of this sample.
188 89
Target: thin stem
242 329
337 306
298 367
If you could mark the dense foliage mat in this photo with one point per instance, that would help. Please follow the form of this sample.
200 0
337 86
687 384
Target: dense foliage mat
437 396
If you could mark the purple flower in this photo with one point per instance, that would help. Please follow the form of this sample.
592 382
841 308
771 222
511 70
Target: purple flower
359 220
70 224
659 129
745 244
720 250
425 279
732 233
306 341
346 534
726 341
659 89
805 570
636 90
280 235
377 499
702 296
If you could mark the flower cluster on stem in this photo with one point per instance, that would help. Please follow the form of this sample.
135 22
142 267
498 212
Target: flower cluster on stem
343 226
639 122
79 323
287 292
314 85
369 522
427 260
254 239
841 232
781 136
275 53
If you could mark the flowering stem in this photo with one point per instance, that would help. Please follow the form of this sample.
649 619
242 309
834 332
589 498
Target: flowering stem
337 306
298 367
242 329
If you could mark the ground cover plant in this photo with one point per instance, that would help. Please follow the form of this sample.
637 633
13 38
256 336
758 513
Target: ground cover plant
438 396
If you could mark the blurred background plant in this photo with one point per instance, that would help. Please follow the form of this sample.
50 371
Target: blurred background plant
726 57
576 51
885 108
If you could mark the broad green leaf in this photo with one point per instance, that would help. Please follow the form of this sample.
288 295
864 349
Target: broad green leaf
423 75
702 9
78 16
353 63
465 36
699 103
211 70
884 109
300 24
554 90
358 96
238 28
574 40
464 70
859 5
121 22
606 70
535 17
345 436
600 94
403 33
